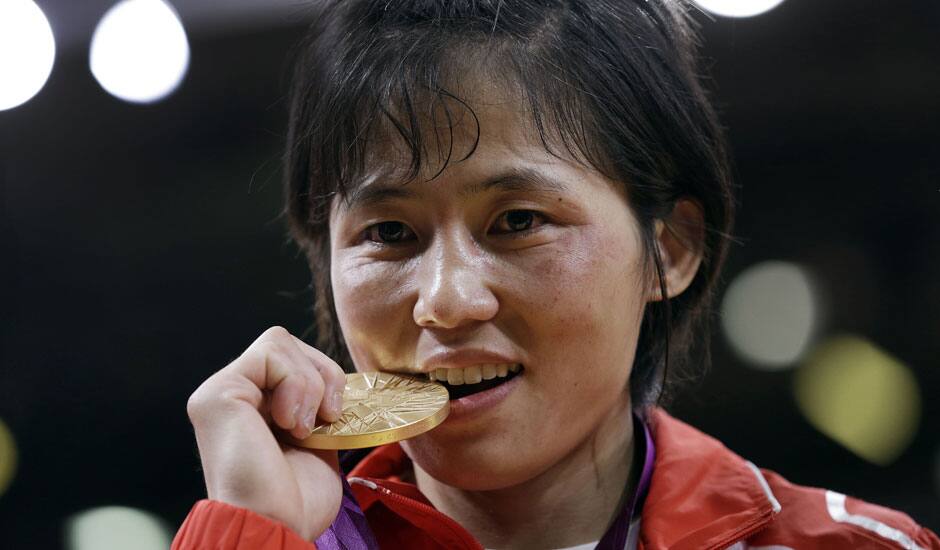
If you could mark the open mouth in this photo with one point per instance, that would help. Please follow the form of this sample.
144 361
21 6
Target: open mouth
468 381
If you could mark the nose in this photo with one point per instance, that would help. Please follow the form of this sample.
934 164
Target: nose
454 287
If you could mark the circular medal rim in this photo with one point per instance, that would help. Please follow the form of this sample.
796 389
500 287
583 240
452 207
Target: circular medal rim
338 442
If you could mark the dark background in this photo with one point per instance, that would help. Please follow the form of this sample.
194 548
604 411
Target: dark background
143 248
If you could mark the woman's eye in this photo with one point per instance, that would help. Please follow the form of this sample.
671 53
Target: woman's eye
518 221
388 233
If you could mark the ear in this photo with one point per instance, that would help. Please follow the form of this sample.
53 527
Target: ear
680 240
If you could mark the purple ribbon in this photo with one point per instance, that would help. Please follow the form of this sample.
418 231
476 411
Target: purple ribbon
616 537
350 530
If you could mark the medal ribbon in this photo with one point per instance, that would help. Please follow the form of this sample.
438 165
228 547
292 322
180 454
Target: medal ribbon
350 530
616 537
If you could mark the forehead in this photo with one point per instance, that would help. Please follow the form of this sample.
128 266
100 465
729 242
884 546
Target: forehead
487 137
452 127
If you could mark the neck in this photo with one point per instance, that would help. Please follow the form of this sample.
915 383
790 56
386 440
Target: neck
573 502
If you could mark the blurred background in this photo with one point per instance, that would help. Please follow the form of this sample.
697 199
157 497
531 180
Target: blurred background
142 248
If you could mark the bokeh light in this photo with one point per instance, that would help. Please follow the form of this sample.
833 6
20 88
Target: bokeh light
769 314
860 396
738 8
116 528
7 457
139 51
27 52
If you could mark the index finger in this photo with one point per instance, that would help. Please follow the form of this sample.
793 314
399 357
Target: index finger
333 377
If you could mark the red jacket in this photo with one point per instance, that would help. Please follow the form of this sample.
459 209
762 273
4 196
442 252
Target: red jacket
702 496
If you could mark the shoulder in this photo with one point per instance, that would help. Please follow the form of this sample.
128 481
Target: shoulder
812 517
702 493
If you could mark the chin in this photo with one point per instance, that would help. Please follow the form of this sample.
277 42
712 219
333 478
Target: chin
470 469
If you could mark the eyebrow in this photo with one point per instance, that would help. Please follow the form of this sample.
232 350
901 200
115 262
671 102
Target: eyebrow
516 179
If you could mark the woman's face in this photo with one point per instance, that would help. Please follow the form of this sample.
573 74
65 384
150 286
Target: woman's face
511 256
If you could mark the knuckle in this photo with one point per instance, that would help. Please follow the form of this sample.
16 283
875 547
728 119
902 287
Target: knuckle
263 351
219 396
276 332
337 377
199 402
337 371
315 385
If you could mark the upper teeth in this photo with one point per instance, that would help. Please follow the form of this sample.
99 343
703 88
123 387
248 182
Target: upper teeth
474 374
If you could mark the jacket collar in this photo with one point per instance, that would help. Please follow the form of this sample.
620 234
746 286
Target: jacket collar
701 495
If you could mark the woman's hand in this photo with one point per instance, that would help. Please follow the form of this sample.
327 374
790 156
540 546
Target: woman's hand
279 382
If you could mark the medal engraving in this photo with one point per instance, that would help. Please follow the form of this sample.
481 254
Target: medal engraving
380 408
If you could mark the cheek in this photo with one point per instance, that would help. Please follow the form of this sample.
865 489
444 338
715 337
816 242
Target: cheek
592 288
586 306
371 326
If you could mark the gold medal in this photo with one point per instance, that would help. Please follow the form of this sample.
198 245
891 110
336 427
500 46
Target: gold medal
380 408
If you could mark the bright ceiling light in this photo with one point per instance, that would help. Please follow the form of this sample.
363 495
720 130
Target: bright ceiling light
139 52
738 8
116 528
27 51
769 314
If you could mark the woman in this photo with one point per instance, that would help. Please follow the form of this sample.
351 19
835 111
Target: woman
533 193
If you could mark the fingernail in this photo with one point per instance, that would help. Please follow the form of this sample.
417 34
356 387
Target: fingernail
310 421
294 415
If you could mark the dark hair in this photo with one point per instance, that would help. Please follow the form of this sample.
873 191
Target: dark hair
613 83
